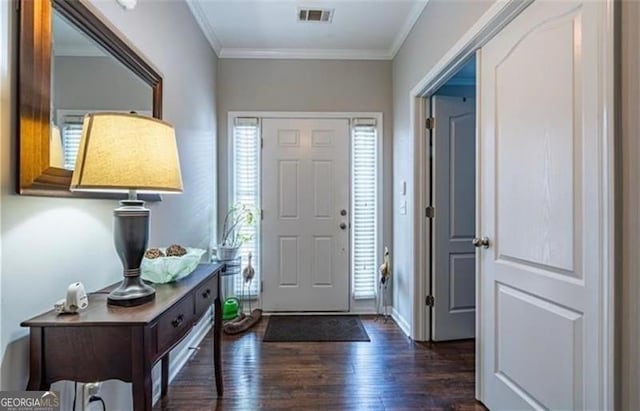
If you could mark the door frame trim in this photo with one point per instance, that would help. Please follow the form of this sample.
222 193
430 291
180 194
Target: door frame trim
488 25
355 306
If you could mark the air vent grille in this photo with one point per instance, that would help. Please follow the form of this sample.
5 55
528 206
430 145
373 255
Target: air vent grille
315 15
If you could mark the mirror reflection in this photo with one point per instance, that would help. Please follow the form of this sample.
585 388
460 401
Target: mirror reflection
85 78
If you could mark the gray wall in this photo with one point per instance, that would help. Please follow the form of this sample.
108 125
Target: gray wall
440 26
48 243
305 85
97 83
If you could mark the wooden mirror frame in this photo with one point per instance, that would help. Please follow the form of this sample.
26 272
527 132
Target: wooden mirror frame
35 174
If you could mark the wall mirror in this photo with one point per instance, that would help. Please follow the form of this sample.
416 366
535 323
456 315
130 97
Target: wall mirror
71 63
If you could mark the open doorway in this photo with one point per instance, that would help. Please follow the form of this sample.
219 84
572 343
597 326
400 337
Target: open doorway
452 225
545 204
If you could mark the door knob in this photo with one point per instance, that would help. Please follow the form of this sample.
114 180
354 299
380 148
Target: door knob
343 226
481 242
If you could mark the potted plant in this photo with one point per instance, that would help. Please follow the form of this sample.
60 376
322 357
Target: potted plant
238 216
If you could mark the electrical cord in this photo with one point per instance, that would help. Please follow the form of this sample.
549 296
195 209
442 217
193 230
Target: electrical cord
94 398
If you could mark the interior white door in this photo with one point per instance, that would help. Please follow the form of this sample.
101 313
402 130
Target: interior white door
543 181
454 224
305 237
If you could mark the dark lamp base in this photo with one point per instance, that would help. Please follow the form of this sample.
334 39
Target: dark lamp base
131 292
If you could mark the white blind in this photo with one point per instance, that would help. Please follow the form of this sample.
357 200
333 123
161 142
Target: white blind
246 190
71 134
364 209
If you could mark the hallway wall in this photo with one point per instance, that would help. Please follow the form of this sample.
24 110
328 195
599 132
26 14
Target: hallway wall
47 243
441 24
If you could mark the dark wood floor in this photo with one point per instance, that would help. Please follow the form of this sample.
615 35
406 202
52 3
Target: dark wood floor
389 373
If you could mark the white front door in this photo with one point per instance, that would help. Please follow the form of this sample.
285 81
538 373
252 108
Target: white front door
454 224
544 177
305 236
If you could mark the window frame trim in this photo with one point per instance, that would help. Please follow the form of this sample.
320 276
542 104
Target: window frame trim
354 305
231 185
378 210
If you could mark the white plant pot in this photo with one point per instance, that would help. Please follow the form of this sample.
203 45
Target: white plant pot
227 253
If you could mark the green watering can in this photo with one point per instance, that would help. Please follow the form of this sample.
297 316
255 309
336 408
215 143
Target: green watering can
230 308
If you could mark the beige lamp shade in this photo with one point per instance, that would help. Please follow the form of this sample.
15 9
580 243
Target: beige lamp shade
122 152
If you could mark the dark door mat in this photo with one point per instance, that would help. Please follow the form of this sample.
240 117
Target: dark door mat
313 328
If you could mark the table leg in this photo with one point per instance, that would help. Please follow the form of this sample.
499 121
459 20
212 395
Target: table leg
142 394
36 377
165 375
217 336
141 382
36 384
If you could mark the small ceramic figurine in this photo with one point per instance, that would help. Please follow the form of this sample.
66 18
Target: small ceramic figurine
248 273
385 279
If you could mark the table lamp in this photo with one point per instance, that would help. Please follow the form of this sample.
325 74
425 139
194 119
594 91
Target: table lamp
133 154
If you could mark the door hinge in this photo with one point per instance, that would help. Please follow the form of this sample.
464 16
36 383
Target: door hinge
430 212
16 5
261 286
430 301
261 214
262 143
430 123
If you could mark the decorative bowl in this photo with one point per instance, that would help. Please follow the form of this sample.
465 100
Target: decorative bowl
164 270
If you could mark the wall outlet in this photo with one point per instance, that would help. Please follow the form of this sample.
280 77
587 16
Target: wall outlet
88 390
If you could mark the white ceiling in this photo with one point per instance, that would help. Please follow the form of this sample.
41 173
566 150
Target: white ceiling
361 29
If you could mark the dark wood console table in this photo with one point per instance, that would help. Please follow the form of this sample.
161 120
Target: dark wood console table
106 342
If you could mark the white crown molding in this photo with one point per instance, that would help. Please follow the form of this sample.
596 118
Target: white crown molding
205 25
304 54
319 54
402 35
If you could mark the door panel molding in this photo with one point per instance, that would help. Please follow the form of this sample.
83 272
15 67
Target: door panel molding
453 265
309 184
546 168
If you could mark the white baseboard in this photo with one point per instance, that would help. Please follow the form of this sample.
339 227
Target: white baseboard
278 313
180 355
303 313
402 323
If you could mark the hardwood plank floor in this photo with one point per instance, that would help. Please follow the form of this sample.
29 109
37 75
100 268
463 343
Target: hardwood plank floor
389 373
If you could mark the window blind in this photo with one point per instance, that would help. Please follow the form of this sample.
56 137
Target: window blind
246 190
364 260
71 135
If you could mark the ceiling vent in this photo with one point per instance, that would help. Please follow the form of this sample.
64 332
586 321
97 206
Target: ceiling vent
315 15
